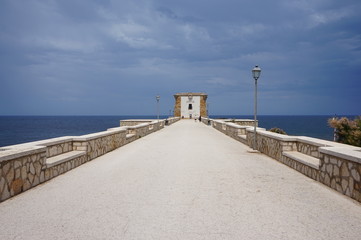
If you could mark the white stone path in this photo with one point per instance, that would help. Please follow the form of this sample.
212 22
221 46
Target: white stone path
187 181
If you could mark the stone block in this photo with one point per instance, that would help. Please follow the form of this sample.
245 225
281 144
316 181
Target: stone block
333 161
344 184
81 148
323 167
10 175
5 194
24 173
329 169
42 177
59 150
333 183
327 180
351 184
336 171
350 165
32 169
339 163
34 158
2 184
344 170
24 161
338 187
30 177
26 185
53 151
36 180
355 175
6 167
47 174
17 185
37 167
17 164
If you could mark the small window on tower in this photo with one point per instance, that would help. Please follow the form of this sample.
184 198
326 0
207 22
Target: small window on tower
190 107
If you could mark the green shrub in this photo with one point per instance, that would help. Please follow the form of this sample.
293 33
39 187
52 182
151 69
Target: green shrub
347 131
278 130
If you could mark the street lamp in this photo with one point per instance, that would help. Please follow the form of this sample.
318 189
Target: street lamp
157 98
256 72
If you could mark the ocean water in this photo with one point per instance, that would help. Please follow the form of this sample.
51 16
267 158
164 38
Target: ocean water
21 129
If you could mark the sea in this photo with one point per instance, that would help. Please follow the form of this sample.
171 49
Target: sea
22 129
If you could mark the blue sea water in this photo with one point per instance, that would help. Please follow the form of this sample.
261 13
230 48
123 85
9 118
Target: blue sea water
21 129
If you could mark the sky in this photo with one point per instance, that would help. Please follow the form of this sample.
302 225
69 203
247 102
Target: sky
112 57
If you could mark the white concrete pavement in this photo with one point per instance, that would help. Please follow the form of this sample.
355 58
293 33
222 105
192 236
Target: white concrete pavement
187 181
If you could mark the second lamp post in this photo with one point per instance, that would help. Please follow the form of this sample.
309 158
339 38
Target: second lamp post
256 72
157 98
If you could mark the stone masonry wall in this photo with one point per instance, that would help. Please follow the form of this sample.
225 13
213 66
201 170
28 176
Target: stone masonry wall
54 171
339 164
25 166
20 174
270 145
341 175
59 148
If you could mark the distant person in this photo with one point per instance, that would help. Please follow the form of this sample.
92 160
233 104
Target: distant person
200 118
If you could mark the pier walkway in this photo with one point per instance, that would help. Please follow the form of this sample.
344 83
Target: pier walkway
186 181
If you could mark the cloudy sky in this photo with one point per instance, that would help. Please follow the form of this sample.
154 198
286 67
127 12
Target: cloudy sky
112 57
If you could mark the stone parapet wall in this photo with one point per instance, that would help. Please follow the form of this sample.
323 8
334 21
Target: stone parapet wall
333 164
173 120
98 144
22 173
133 122
340 169
56 170
242 122
24 166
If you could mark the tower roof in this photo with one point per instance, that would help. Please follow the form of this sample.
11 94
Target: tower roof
190 94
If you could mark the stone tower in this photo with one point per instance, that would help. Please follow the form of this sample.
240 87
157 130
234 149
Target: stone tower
190 105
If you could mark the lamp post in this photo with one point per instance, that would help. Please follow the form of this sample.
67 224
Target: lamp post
256 72
157 98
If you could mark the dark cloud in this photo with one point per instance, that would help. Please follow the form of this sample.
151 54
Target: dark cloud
113 57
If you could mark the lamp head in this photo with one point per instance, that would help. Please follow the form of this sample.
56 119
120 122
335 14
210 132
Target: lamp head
256 72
